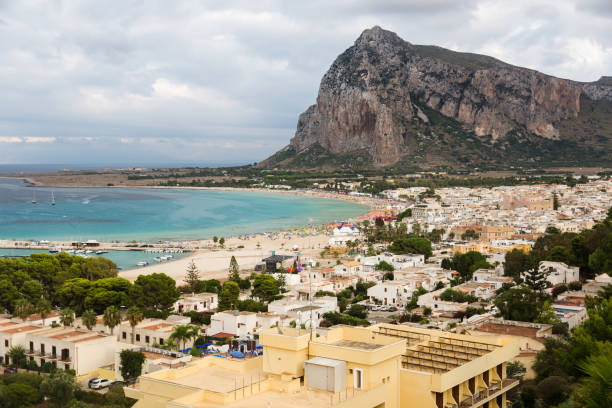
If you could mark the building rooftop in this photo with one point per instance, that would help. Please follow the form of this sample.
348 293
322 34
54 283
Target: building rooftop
357 345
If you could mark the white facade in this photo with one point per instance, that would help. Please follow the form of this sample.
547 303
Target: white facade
70 348
197 302
391 293
151 332
13 334
558 272
342 234
239 324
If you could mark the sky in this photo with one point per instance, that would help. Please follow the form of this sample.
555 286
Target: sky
223 82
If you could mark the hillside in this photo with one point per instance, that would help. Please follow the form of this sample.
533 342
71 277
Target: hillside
385 102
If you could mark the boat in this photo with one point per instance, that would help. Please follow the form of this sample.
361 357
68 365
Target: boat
100 252
34 197
89 251
142 263
54 251
52 198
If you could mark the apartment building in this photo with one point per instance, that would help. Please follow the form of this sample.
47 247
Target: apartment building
151 332
378 366
70 348
232 322
392 293
13 334
196 302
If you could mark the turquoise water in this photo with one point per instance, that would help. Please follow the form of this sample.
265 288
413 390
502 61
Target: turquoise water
123 259
107 214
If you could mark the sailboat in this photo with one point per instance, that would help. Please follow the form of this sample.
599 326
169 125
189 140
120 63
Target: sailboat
52 199
34 197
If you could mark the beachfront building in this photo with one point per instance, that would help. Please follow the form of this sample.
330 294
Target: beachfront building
70 348
304 310
342 234
232 323
275 263
151 332
559 272
196 302
384 365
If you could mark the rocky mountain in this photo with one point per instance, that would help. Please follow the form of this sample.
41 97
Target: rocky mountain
387 102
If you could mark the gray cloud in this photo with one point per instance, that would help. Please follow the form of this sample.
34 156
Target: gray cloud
225 81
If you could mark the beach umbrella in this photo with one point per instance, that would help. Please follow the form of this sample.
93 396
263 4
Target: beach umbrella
237 354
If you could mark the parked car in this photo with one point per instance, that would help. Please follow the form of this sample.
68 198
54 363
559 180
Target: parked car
9 370
100 383
121 383
91 380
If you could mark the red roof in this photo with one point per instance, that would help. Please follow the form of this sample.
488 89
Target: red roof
222 335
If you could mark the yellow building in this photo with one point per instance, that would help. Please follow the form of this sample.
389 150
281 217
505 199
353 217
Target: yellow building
377 366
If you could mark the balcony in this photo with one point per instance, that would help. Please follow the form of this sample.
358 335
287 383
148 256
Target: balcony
65 358
32 352
50 356
488 393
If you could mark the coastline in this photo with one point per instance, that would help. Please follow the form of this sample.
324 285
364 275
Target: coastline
213 261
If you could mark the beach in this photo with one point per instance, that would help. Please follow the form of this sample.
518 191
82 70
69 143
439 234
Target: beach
213 262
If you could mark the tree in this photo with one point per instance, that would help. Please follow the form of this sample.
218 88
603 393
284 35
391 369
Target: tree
265 287
44 308
215 239
67 317
32 290
467 263
192 276
411 246
154 292
183 333
234 270
470 234
17 355
357 311
554 390
379 222
384 266
19 395
59 387
221 242
23 309
8 294
228 296
134 316
518 304
89 319
516 262
131 363
535 280
595 389
112 318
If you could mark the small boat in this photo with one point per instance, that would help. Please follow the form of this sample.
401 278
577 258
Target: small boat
89 251
100 252
142 263
52 198
54 251
33 197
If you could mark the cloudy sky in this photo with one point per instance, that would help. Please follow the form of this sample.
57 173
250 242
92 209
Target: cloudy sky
120 82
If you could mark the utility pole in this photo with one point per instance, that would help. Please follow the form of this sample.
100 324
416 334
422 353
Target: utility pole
310 297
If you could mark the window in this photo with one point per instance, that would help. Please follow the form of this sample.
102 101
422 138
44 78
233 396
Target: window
161 341
5 343
67 367
138 337
146 339
31 346
358 378
123 335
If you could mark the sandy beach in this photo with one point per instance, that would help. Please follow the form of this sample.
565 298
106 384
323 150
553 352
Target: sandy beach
213 263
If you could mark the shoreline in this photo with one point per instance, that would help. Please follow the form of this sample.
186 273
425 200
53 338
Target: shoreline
212 260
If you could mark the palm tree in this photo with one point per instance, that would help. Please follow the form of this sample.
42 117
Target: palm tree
67 316
134 316
44 308
23 309
112 318
89 318
17 355
183 333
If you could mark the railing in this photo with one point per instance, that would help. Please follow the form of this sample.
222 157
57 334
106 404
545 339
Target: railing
32 352
65 358
488 392
51 356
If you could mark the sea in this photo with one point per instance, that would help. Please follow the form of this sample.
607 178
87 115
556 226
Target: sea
154 215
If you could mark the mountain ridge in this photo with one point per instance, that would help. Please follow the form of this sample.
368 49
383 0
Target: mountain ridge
405 104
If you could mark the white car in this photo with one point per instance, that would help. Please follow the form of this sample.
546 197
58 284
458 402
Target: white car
99 383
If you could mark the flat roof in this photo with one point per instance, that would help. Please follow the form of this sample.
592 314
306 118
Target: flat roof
20 329
357 345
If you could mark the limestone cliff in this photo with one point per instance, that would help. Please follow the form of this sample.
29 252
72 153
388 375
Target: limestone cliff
386 97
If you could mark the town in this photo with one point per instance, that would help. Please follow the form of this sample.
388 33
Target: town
442 297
